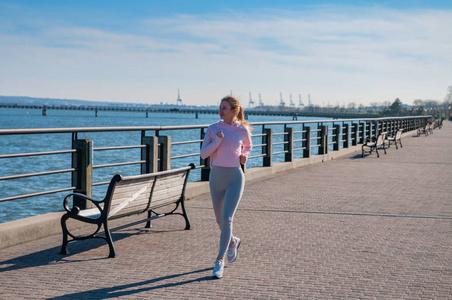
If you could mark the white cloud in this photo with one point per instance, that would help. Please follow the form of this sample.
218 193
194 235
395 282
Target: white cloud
342 54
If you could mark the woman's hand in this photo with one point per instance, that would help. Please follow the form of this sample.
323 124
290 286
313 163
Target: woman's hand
220 134
243 159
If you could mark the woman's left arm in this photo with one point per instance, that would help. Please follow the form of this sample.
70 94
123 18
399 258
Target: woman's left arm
247 144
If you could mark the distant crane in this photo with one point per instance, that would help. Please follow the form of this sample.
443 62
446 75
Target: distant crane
179 100
281 101
260 100
251 104
300 103
291 102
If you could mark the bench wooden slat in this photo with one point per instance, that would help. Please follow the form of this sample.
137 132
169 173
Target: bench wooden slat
131 197
167 190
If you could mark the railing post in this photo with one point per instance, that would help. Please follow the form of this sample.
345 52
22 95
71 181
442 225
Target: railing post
82 178
368 130
347 135
165 152
354 133
372 131
267 139
205 171
363 133
376 129
289 146
307 150
150 154
323 149
337 129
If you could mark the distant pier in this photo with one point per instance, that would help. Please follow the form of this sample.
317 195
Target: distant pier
281 111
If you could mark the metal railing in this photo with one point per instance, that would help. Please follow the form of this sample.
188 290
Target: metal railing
157 152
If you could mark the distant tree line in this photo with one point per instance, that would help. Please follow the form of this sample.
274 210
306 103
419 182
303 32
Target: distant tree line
423 107
396 108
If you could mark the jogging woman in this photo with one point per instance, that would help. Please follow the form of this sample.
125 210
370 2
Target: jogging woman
228 143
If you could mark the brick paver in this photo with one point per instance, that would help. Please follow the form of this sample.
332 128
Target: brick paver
352 228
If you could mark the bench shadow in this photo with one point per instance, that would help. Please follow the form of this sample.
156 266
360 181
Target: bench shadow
52 256
357 156
137 287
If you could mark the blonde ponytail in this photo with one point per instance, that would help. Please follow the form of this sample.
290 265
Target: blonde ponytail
240 112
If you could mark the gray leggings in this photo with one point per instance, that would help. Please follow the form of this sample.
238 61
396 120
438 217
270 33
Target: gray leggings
226 189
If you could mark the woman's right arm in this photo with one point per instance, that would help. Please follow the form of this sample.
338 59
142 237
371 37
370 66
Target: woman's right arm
210 143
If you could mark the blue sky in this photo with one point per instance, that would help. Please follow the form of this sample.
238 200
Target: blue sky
143 51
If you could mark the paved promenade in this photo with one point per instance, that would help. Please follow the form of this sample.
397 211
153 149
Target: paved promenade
351 228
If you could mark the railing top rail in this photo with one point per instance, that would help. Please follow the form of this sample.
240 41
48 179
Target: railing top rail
95 129
339 120
16 131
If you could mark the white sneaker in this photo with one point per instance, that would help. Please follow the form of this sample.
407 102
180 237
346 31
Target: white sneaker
233 249
218 268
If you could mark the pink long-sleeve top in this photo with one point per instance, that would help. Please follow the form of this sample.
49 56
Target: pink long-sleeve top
226 151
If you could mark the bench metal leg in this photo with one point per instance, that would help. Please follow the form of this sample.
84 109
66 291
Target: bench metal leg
109 241
148 223
184 211
364 151
63 250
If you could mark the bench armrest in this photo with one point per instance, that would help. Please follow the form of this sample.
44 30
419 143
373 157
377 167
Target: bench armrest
76 209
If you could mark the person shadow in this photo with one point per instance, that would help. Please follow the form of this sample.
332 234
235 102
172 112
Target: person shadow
138 287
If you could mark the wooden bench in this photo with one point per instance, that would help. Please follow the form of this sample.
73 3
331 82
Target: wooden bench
379 143
128 196
433 125
397 139
430 127
423 130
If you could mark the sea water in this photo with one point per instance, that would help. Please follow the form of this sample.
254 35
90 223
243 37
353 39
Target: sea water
33 118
